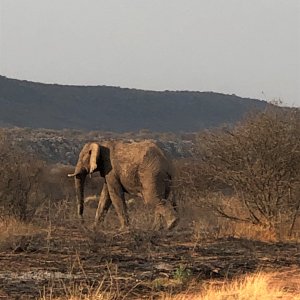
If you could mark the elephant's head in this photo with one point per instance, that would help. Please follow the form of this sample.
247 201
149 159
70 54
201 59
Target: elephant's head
87 164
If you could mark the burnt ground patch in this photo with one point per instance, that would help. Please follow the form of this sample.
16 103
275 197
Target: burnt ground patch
137 263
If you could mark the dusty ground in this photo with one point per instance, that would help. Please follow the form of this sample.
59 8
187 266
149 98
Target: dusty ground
136 264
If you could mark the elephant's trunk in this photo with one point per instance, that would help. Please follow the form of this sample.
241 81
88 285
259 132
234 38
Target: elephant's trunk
79 187
87 164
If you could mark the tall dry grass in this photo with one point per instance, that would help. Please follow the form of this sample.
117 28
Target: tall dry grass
11 226
260 286
81 292
16 234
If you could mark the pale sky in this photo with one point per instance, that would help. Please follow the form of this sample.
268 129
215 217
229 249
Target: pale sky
250 48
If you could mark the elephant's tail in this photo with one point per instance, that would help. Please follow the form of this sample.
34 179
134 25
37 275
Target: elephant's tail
172 194
173 200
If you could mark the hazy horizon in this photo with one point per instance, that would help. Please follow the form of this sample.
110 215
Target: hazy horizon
251 49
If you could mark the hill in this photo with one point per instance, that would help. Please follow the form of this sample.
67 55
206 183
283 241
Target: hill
38 105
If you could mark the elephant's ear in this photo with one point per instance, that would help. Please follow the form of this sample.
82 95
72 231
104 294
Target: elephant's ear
95 152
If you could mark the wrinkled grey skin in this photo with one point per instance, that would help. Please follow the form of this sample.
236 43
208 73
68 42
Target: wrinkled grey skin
138 168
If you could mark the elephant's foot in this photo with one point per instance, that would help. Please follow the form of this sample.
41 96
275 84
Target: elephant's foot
157 224
95 225
98 222
124 228
172 223
124 222
80 219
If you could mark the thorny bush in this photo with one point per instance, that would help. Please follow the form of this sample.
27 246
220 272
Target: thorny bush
20 182
257 163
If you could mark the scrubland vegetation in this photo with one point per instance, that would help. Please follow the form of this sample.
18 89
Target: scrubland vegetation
238 196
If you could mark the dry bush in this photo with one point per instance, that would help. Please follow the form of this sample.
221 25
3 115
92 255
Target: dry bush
11 227
194 197
59 192
18 236
21 181
29 187
61 186
58 185
257 161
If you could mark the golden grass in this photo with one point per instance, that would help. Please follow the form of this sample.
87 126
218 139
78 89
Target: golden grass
239 230
17 235
260 286
249 231
254 232
216 227
10 227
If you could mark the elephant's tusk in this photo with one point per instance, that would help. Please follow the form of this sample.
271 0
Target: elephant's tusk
72 175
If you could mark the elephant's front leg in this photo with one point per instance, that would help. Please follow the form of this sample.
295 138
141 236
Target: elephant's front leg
103 205
117 197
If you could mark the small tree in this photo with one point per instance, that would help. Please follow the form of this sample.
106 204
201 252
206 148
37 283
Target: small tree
259 160
20 181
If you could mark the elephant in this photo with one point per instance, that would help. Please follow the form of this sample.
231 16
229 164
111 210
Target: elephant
137 168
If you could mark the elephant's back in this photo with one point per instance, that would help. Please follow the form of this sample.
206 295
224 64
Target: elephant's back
126 159
130 152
